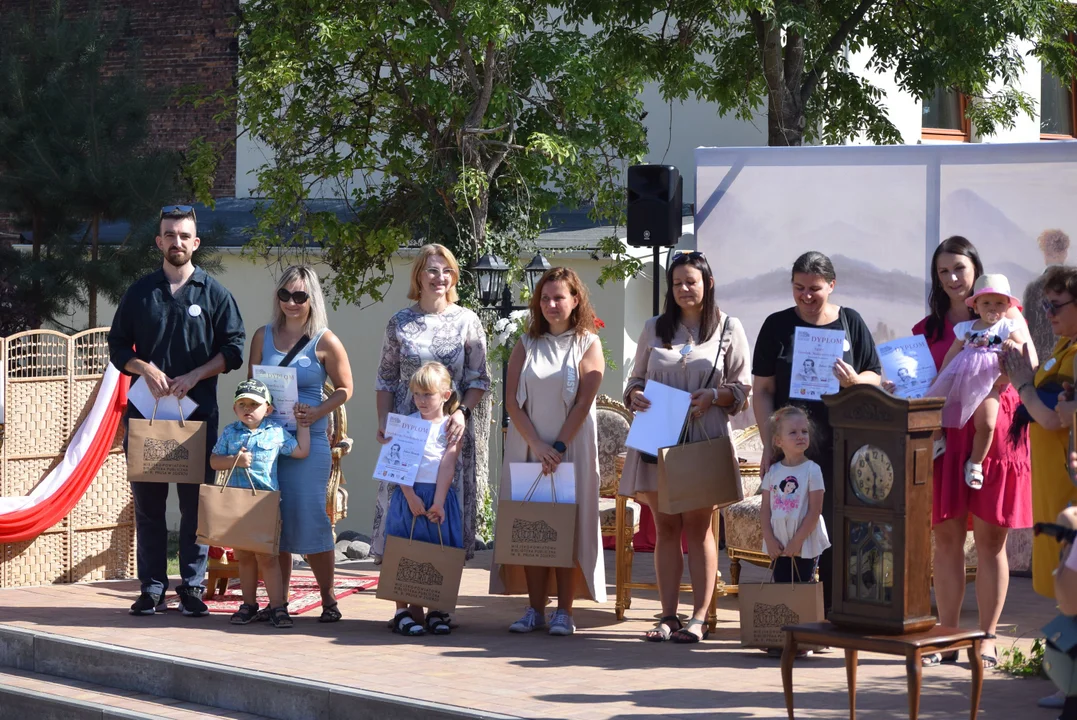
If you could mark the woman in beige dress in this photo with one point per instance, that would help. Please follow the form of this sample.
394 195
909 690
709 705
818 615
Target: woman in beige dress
553 378
679 348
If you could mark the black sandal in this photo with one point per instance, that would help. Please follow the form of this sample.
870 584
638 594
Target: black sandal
938 658
404 624
280 617
685 636
664 629
990 662
245 614
330 613
437 622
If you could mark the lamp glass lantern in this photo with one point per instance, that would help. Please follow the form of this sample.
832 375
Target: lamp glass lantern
535 270
490 271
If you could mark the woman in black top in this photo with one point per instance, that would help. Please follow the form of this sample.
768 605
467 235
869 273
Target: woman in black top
772 368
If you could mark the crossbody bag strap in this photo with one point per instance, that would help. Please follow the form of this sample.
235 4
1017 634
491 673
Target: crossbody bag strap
299 345
717 359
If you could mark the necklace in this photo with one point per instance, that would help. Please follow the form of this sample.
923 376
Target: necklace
687 348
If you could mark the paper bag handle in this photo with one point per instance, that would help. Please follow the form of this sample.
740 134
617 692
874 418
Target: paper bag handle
154 415
229 476
411 537
770 577
534 487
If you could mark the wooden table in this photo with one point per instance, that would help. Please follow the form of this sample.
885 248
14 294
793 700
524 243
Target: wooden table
913 646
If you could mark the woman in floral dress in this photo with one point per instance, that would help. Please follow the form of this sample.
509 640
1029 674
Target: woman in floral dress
435 328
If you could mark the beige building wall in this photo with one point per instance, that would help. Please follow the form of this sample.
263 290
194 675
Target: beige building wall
623 307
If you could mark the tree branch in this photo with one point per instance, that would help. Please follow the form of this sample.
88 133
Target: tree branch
832 46
465 54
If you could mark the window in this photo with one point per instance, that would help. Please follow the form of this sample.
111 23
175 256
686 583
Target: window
944 116
1057 109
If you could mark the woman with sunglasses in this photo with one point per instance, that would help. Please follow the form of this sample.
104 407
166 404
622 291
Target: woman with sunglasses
680 348
1005 499
299 334
435 328
813 280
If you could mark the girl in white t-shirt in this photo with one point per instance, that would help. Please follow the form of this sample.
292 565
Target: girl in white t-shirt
971 377
429 510
794 534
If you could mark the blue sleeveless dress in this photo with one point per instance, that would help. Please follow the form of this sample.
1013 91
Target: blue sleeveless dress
305 527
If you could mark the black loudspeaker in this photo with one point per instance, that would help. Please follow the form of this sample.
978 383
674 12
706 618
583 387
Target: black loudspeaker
654 205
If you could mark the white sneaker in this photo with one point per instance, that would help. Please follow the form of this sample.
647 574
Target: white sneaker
1055 701
530 622
561 624
938 448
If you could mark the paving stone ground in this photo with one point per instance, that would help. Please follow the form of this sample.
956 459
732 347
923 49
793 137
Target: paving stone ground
603 672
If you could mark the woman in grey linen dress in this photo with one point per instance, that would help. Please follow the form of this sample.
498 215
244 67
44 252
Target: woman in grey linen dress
553 378
305 526
434 329
678 348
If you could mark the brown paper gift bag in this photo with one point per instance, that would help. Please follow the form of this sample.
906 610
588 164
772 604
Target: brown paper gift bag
536 533
238 517
421 573
765 608
698 475
169 451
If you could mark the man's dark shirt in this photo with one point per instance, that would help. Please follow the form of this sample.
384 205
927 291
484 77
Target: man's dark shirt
178 333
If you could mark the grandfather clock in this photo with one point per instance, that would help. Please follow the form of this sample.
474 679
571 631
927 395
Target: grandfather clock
882 510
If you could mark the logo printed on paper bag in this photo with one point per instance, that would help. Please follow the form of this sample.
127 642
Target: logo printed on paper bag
419 580
165 457
769 620
537 531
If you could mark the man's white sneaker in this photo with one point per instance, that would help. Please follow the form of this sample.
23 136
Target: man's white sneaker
530 622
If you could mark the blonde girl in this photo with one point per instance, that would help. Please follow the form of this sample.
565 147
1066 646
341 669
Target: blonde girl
431 504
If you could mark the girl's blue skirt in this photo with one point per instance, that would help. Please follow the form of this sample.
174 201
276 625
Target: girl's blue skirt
398 521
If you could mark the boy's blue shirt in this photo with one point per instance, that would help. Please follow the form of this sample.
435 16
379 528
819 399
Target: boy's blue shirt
265 443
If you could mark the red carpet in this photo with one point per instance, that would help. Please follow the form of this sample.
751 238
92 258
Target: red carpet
303 594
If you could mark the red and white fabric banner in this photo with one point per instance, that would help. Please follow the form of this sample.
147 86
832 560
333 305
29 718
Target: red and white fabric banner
24 518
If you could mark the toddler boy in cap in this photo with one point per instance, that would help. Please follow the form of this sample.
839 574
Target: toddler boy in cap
252 444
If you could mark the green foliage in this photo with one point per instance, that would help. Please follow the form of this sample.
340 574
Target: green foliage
75 153
454 122
792 56
1016 663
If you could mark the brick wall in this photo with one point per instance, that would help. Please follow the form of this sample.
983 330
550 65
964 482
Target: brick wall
183 42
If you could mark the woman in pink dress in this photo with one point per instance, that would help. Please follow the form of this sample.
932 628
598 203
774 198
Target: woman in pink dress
1004 501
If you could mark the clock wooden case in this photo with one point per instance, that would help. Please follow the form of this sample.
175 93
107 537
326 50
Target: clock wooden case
881 537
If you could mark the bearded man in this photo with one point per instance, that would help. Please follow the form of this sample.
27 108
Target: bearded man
178 329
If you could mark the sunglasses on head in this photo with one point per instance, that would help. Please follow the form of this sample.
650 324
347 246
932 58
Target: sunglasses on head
176 210
686 255
298 296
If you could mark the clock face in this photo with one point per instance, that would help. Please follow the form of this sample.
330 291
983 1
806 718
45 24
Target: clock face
871 474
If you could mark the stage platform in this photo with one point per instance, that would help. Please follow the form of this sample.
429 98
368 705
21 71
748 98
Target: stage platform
358 668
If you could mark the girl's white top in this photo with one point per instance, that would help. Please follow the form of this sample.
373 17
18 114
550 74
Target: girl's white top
789 488
434 451
1000 330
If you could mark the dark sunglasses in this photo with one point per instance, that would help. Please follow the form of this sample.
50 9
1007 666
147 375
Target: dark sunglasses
1053 308
298 296
686 255
176 210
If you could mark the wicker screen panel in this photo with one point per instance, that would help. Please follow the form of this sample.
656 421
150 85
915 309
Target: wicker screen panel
106 554
51 381
45 560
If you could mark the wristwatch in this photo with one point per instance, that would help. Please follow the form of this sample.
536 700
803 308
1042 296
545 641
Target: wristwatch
466 410
559 447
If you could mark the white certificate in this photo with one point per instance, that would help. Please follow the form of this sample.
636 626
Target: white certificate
399 459
660 425
283 384
523 476
907 363
814 353
168 408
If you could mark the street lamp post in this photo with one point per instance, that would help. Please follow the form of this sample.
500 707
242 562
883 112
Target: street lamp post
496 294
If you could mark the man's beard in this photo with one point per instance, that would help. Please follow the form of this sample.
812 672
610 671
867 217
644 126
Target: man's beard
178 259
